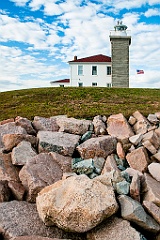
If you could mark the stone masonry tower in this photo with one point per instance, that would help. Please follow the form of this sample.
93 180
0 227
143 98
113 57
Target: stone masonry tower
120 41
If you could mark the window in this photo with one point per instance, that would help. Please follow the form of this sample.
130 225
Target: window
80 69
61 85
108 70
94 70
80 84
94 84
109 85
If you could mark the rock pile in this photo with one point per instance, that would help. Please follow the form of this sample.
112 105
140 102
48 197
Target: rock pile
64 178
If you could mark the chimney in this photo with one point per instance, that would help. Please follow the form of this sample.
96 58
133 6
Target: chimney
75 58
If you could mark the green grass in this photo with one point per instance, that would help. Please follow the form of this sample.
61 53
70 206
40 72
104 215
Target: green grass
78 102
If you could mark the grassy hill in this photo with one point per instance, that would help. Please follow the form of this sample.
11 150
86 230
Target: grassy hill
78 102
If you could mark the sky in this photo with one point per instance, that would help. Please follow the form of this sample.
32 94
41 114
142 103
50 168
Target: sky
39 37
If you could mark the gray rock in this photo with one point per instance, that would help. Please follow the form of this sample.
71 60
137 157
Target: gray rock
45 124
73 126
99 125
17 190
97 147
34 237
152 118
142 125
63 162
154 170
19 218
86 136
60 142
153 210
39 172
22 152
133 211
114 229
83 167
122 187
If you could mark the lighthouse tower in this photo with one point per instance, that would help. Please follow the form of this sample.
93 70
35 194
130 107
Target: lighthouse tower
120 41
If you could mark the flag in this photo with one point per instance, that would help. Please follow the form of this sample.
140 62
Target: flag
140 72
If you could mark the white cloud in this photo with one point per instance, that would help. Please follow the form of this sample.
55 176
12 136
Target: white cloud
152 12
20 2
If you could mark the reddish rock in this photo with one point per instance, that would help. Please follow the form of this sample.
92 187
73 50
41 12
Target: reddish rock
157 115
118 127
64 162
7 170
153 210
114 229
110 165
138 159
12 140
17 190
39 172
152 190
97 147
4 191
35 237
26 124
120 151
7 121
135 187
132 120
142 125
148 145
156 156
10 128
153 138
20 218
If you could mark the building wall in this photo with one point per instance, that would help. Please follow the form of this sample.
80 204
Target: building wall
56 84
87 78
120 61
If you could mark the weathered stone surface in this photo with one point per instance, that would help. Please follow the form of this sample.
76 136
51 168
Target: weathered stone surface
26 124
122 187
142 125
148 145
99 125
22 152
153 138
153 210
34 238
17 190
76 203
132 120
152 190
10 128
138 159
114 229
19 218
156 156
12 140
133 211
135 187
39 172
73 126
97 147
136 139
154 170
45 124
152 118
83 167
63 162
98 164
120 151
157 115
110 165
118 127
4 191
60 142
7 170
7 121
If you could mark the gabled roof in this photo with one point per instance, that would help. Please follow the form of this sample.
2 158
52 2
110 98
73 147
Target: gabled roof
95 58
67 80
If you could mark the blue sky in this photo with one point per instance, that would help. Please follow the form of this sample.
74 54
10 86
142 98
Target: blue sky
39 37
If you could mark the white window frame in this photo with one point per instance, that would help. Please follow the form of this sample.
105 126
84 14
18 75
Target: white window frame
94 71
94 84
80 70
